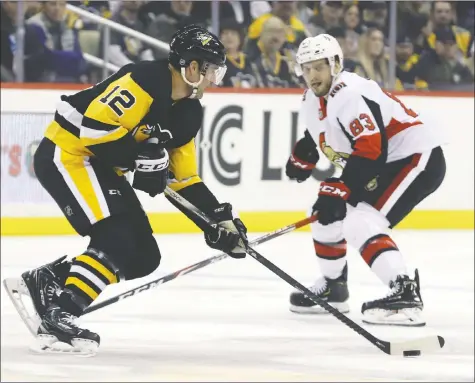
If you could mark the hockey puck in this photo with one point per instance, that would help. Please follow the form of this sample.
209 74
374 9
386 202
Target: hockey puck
411 353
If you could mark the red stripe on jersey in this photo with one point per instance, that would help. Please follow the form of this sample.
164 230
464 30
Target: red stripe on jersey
396 127
368 146
330 250
376 245
323 108
397 181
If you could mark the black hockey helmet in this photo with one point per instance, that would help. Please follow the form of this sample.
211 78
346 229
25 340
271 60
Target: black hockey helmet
195 43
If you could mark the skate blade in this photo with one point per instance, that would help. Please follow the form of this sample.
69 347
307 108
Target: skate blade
17 290
404 317
342 307
49 344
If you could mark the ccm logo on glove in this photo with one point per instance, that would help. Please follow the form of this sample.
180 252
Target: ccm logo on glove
334 190
151 165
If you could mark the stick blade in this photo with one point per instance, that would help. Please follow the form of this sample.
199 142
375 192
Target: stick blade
417 347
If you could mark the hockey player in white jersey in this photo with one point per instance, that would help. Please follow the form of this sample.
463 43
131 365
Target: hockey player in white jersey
390 160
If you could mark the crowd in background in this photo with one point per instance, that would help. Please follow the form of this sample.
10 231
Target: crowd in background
434 45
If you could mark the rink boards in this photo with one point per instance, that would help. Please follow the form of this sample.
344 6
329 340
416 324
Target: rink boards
242 150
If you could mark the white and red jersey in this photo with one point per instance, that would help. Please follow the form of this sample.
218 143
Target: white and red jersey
360 118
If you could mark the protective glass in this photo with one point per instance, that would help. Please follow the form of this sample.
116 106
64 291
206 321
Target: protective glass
213 72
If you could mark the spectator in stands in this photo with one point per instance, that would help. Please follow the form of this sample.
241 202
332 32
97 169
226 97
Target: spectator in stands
58 56
373 63
239 73
465 11
285 10
412 16
406 61
32 8
173 16
375 15
228 9
352 25
442 16
471 61
340 34
330 16
271 68
439 68
100 8
8 12
125 49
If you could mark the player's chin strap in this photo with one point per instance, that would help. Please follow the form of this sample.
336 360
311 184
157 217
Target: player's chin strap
194 85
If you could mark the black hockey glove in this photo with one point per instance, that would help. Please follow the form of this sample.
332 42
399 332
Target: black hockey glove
303 159
151 169
331 202
230 237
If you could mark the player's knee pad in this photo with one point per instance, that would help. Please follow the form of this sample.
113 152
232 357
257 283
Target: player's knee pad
362 223
115 238
147 257
326 234
146 260
332 233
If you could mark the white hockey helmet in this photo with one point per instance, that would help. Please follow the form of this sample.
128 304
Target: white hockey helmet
319 47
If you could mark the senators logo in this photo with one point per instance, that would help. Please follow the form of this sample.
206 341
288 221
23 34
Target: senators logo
337 158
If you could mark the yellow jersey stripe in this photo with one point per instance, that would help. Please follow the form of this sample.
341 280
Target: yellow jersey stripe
65 140
104 138
111 277
178 185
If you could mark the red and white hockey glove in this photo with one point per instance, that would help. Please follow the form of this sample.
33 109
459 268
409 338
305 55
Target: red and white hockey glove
331 202
302 160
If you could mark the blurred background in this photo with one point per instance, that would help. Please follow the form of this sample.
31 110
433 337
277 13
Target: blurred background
403 45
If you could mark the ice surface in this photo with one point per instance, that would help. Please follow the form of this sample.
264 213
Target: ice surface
230 321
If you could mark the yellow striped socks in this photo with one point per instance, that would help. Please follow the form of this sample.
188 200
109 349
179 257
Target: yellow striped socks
89 276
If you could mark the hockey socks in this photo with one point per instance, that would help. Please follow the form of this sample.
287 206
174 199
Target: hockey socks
331 257
89 276
383 257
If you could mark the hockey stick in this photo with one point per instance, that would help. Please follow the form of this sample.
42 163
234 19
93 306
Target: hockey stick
406 348
198 265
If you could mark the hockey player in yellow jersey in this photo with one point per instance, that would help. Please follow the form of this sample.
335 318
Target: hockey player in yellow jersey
144 119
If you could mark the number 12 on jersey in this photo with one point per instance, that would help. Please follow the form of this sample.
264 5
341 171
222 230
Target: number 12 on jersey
124 99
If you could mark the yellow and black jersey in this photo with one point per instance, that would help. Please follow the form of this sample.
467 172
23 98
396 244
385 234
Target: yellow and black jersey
111 118
463 39
272 74
295 29
239 73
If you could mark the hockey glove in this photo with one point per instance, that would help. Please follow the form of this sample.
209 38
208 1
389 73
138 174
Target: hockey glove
230 236
331 202
302 160
151 169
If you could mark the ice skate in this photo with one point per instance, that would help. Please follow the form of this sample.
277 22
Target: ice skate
40 286
59 334
402 307
334 291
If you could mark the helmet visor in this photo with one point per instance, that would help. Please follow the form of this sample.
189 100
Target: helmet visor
213 72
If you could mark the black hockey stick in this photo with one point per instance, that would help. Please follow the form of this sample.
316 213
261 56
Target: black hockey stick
198 265
406 348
